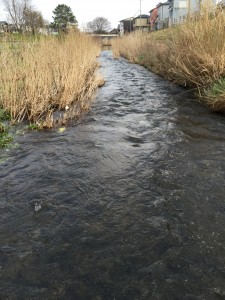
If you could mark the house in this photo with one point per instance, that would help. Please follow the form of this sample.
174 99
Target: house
126 26
141 22
4 27
70 25
163 15
154 19
159 16
174 12
180 9
114 31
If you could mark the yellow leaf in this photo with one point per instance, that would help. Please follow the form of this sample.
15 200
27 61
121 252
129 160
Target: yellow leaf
61 129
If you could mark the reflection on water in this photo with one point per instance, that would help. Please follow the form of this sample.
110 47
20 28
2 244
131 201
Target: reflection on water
126 204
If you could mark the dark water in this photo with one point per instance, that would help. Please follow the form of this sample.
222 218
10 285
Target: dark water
127 204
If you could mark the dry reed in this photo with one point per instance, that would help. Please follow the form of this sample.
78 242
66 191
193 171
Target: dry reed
191 54
49 74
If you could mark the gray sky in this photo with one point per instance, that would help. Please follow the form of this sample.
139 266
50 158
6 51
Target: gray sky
87 10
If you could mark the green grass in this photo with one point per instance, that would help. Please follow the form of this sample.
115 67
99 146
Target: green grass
4 115
214 96
217 88
5 137
33 126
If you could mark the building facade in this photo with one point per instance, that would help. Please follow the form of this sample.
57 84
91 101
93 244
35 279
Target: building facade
126 26
4 27
163 15
180 9
141 22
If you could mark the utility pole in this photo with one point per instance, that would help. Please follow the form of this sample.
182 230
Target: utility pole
140 14
189 7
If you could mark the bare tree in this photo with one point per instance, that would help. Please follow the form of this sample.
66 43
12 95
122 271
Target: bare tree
99 25
16 10
33 20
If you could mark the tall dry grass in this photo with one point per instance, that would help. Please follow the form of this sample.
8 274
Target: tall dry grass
191 54
49 74
197 49
147 49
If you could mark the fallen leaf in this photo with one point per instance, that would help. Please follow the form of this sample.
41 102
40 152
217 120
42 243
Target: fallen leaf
61 129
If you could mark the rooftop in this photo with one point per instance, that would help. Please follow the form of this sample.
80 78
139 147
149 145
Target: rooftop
142 17
3 23
127 19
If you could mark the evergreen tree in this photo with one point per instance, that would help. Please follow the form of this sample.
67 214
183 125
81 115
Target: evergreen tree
62 16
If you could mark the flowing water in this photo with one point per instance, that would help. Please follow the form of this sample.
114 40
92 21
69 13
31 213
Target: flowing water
127 203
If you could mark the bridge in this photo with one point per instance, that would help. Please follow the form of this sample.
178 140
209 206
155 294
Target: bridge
107 35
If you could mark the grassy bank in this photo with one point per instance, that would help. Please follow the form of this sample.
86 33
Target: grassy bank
48 80
191 54
5 137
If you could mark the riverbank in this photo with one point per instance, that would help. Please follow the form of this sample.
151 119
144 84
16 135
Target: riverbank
5 136
191 55
48 80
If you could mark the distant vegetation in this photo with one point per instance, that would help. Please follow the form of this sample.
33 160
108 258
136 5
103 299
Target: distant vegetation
191 54
62 17
99 25
23 16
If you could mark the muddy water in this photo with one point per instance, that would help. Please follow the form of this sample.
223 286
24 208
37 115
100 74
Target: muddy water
128 203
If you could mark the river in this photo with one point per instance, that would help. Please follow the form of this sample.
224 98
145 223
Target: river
127 203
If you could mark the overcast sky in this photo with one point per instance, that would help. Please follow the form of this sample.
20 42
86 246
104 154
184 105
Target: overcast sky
87 10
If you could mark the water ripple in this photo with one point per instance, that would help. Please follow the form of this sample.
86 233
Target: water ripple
127 203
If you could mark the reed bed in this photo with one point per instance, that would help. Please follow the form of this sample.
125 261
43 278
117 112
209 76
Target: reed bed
48 79
147 49
191 54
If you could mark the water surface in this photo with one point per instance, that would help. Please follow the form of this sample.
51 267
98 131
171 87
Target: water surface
128 203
